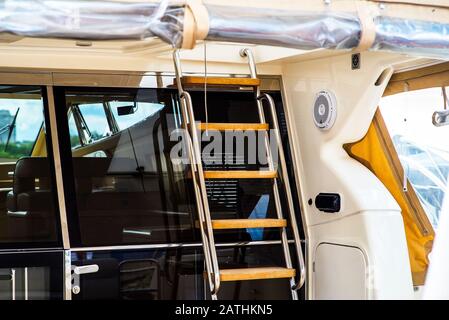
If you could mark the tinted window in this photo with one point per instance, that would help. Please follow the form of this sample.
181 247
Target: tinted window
126 185
169 274
27 198
242 198
34 275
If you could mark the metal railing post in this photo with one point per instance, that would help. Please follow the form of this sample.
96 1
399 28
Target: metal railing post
199 183
297 239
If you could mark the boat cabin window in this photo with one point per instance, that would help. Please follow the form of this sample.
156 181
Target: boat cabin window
423 148
27 197
125 183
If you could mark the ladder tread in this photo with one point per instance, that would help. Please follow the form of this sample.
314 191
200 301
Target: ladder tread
220 81
248 223
240 174
232 126
257 273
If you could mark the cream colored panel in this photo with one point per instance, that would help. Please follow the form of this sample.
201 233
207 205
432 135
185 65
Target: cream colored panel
25 78
45 54
326 166
104 80
339 273
380 236
369 218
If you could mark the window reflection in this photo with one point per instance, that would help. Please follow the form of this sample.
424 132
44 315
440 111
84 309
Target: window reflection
126 184
27 211
142 111
128 187
175 274
95 117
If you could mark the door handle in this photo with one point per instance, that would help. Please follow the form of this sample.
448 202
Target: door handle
91 268
78 271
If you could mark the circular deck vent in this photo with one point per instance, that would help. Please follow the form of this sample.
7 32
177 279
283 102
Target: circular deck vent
324 110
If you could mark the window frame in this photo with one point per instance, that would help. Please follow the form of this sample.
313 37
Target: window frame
57 244
84 132
67 162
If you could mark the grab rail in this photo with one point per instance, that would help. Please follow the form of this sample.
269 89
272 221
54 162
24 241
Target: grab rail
200 187
297 239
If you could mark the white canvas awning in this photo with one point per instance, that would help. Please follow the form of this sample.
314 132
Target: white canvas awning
418 29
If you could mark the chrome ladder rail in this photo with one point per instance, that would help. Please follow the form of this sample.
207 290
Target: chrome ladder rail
205 223
204 215
295 285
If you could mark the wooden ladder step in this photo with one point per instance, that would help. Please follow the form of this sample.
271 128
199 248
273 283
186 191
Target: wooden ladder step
232 126
240 174
220 224
256 273
219 81
248 223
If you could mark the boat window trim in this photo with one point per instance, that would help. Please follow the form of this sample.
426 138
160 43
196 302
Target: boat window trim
81 125
112 122
70 112
47 105
53 154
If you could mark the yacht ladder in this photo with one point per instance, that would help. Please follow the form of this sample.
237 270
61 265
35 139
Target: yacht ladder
206 224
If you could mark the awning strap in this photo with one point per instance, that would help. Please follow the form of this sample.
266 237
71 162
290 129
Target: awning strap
196 23
368 32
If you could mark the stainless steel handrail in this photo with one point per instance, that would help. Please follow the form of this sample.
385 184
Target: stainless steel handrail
199 166
286 181
284 240
260 97
194 149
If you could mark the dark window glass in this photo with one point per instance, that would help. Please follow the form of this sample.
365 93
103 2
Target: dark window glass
31 276
142 275
127 186
244 198
27 199
128 191
163 274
